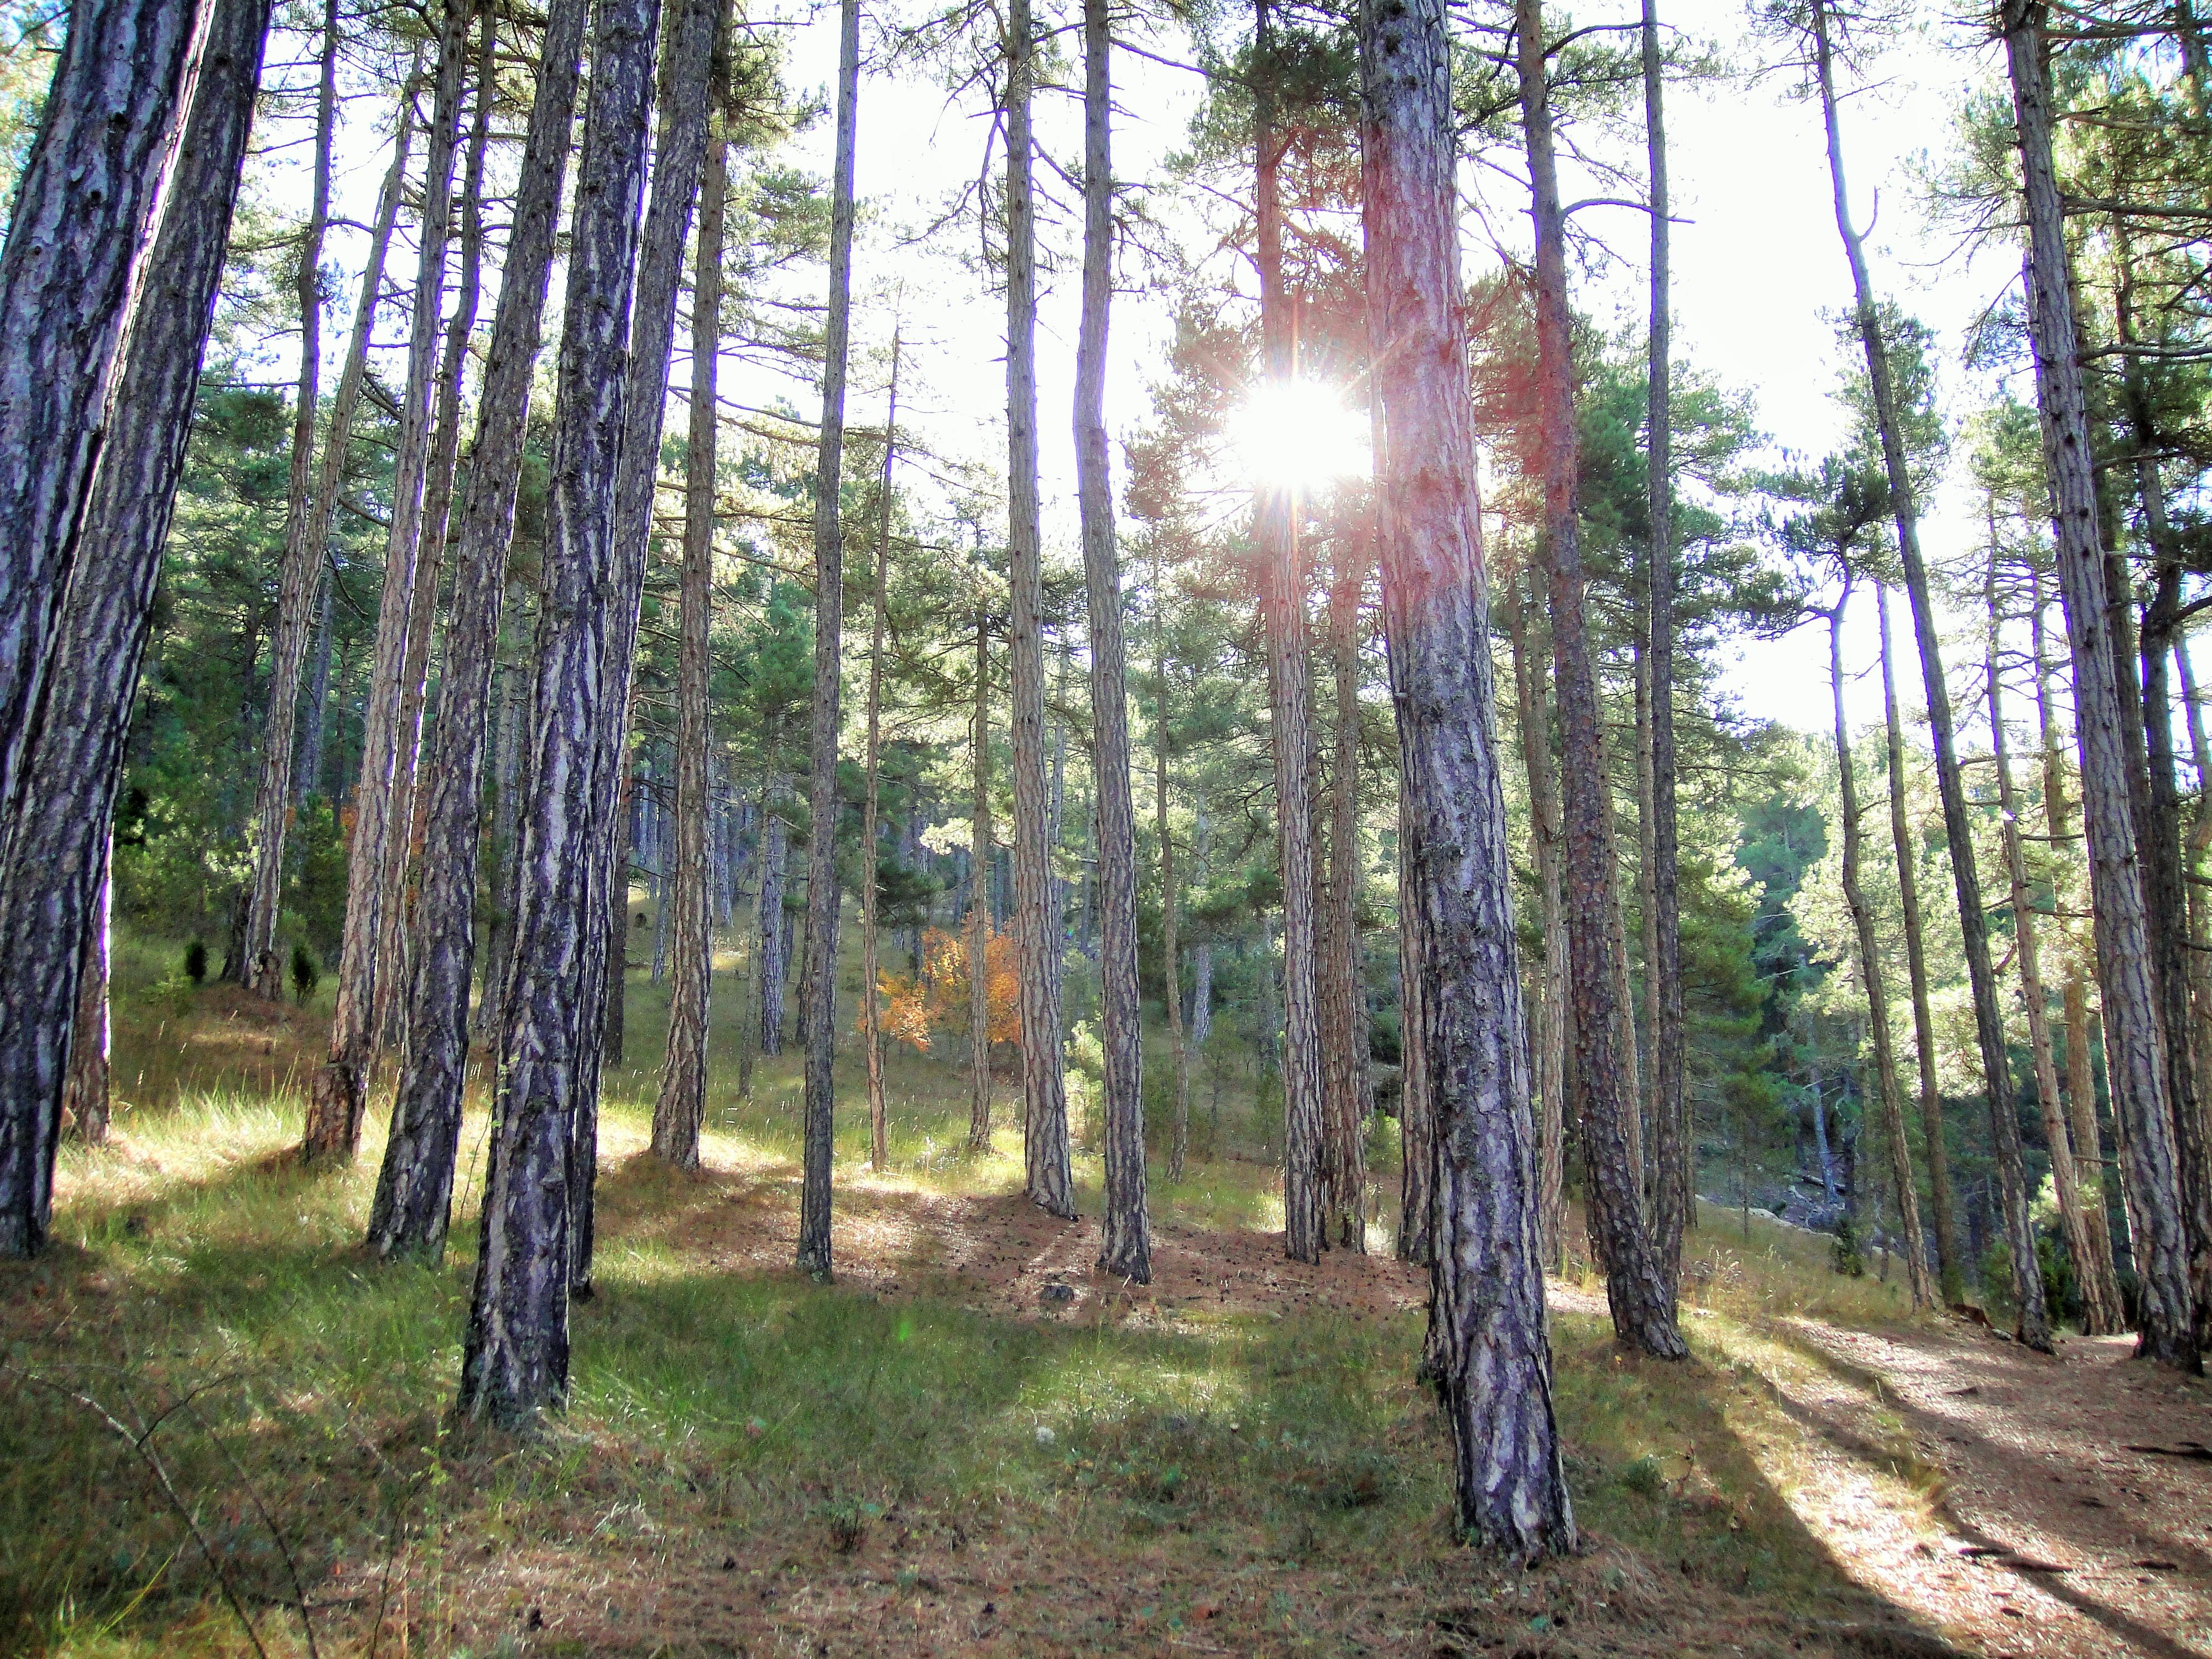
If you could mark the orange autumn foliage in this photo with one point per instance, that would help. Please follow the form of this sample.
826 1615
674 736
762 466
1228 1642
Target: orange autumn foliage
913 1007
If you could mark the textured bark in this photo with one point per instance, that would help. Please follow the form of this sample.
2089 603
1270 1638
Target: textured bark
308 776
680 158
2132 1038
2165 896
1125 1236
84 1090
817 989
340 1090
978 897
56 858
2199 1023
1486 1300
413 1206
1973 922
408 799
1548 1037
2056 1139
1673 1141
872 1020
1290 700
1417 1192
2103 1311
515 1360
1044 1095
1170 888
1949 1268
68 273
304 554
1345 1084
1643 1306
681 1107
1871 979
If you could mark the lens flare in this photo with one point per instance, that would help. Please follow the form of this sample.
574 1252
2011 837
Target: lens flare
1298 435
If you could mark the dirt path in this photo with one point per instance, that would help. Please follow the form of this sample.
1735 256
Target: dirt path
2048 1531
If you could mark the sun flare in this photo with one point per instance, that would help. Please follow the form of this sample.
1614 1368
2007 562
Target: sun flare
1299 436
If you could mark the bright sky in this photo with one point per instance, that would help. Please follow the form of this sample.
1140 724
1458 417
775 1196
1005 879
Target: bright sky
1758 267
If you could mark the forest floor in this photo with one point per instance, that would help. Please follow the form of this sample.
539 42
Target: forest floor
972 1443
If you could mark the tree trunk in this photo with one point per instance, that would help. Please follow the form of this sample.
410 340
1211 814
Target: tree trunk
774 926
1549 1037
1170 890
871 1016
515 1360
1643 1306
1486 1300
2200 840
2104 1313
340 1090
1125 1237
1950 1270
2054 1135
817 991
1044 1095
68 272
308 776
1973 923
1417 1188
413 1206
1674 1142
979 899
1291 701
56 853
1345 1080
1870 975
681 1108
2132 1037
394 954
680 152
303 559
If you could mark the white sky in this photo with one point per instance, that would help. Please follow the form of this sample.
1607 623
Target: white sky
1757 271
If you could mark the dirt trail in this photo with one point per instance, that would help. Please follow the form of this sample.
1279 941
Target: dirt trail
2054 1536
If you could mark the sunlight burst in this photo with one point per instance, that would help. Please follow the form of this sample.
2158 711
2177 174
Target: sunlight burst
1299 436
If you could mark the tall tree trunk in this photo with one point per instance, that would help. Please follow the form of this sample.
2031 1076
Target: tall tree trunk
817 991
1950 1270
1673 1143
2056 1139
774 926
681 1109
680 155
1044 1095
413 1206
1125 1236
1549 1032
979 898
1170 889
2164 886
340 1091
871 1016
515 1360
2132 1039
1643 1306
1417 1188
1973 922
2200 840
1870 975
393 974
56 859
2104 1313
303 560
1343 999
1291 701
1486 1300
69 272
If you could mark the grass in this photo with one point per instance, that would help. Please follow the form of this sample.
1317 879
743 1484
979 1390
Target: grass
754 1463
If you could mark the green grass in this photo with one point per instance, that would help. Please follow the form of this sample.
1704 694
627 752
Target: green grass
1118 1481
